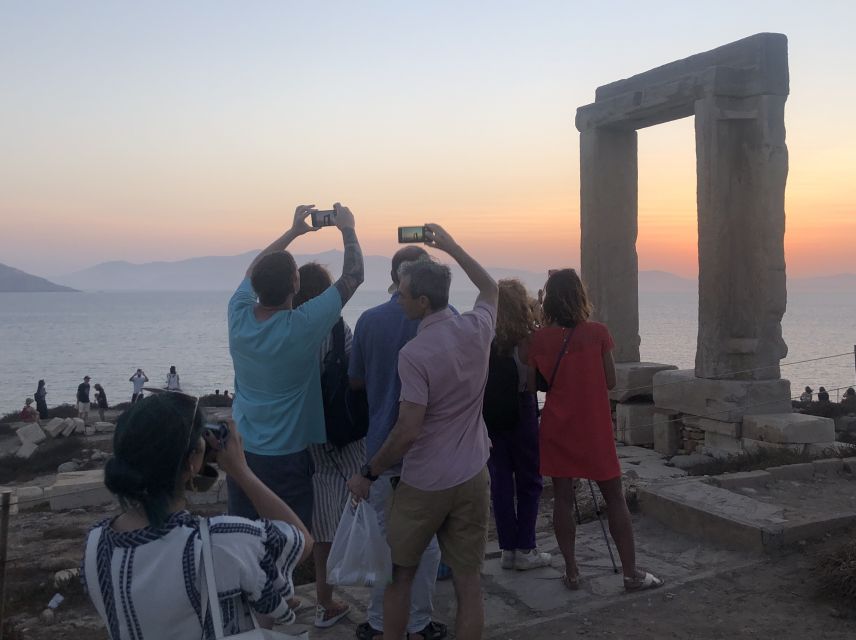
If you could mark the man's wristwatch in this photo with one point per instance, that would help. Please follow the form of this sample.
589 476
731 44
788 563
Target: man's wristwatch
366 472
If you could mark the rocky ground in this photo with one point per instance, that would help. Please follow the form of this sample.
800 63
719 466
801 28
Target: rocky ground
711 592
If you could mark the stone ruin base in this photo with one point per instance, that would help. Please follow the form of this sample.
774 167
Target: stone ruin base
656 405
727 417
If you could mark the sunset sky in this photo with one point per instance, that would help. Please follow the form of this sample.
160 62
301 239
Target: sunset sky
167 130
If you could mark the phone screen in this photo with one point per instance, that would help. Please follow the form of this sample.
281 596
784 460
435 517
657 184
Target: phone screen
324 218
411 234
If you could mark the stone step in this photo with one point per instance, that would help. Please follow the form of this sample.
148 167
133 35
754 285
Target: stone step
695 507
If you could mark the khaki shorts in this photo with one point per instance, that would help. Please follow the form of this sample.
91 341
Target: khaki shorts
458 516
83 407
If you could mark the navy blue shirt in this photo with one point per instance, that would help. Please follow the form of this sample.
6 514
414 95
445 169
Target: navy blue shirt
378 337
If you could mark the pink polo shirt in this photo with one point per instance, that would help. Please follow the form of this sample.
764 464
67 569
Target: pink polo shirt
444 368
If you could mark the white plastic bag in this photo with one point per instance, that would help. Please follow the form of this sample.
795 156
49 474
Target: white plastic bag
360 556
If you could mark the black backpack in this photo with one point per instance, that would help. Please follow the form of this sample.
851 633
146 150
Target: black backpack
501 408
346 412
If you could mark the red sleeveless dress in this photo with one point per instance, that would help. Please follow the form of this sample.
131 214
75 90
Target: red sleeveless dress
576 434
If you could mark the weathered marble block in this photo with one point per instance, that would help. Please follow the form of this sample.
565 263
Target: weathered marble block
723 400
789 428
634 423
633 379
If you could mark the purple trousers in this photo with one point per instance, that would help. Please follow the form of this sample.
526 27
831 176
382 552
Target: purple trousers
515 481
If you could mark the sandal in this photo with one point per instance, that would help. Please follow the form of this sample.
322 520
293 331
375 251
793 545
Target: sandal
296 605
432 631
365 631
643 583
328 616
571 584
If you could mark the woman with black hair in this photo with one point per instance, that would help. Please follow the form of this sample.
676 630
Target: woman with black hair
142 568
41 400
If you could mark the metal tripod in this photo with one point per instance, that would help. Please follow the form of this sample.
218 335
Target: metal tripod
599 519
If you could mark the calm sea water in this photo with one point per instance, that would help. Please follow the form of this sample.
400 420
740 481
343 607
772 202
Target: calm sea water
63 336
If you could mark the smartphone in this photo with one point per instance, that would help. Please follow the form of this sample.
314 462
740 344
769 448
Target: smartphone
323 218
411 234
219 430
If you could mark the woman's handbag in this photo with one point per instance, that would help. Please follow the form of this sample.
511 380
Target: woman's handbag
210 599
540 381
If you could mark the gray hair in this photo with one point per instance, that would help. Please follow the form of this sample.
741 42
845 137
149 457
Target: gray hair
429 279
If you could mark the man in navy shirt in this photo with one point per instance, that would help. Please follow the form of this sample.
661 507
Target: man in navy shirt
379 335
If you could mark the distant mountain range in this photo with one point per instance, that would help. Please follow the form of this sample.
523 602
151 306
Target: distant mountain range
222 273
17 281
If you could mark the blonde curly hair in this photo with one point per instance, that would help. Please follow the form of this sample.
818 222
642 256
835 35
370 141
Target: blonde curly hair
515 319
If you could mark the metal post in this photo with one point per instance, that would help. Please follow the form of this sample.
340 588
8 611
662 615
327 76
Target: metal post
5 507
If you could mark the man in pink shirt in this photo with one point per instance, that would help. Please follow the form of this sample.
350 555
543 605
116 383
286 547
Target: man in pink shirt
441 437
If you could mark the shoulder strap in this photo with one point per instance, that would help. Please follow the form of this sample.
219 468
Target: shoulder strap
561 355
91 569
339 338
208 568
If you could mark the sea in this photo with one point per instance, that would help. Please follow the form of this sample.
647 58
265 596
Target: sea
63 336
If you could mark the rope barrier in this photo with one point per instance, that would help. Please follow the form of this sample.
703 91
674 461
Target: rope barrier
734 373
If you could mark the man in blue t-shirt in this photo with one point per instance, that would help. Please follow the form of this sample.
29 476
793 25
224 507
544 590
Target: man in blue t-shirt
277 400
379 335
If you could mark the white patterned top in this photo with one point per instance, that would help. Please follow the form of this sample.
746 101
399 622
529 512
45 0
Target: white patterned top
146 584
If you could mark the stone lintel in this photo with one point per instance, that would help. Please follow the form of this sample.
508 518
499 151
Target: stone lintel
667 101
765 55
721 400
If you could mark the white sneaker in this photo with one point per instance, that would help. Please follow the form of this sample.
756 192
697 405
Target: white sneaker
325 619
507 561
532 559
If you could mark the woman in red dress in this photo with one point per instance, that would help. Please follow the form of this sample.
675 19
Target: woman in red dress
576 441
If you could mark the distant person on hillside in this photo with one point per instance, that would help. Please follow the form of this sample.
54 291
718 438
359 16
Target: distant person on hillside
100 400
41 400
226 394
274 347
822 395
29 413
216 392
83 399
173 382
849 400
805 396
574 355
138 380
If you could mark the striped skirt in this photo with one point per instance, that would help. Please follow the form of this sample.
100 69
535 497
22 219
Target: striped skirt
333 468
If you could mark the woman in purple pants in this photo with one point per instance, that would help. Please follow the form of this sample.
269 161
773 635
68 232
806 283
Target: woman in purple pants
511 416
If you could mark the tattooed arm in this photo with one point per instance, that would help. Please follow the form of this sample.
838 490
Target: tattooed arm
352 267
299 226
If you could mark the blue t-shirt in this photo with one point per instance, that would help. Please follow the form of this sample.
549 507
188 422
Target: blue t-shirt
277 403
378 337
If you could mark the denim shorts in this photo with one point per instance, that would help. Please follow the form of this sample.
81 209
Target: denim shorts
288 476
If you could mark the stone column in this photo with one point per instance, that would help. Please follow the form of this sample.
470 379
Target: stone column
742 168
608 221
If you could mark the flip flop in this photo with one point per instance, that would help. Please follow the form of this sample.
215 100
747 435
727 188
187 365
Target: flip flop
648 581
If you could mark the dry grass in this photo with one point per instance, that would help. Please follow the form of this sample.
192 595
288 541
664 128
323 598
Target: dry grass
837 572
